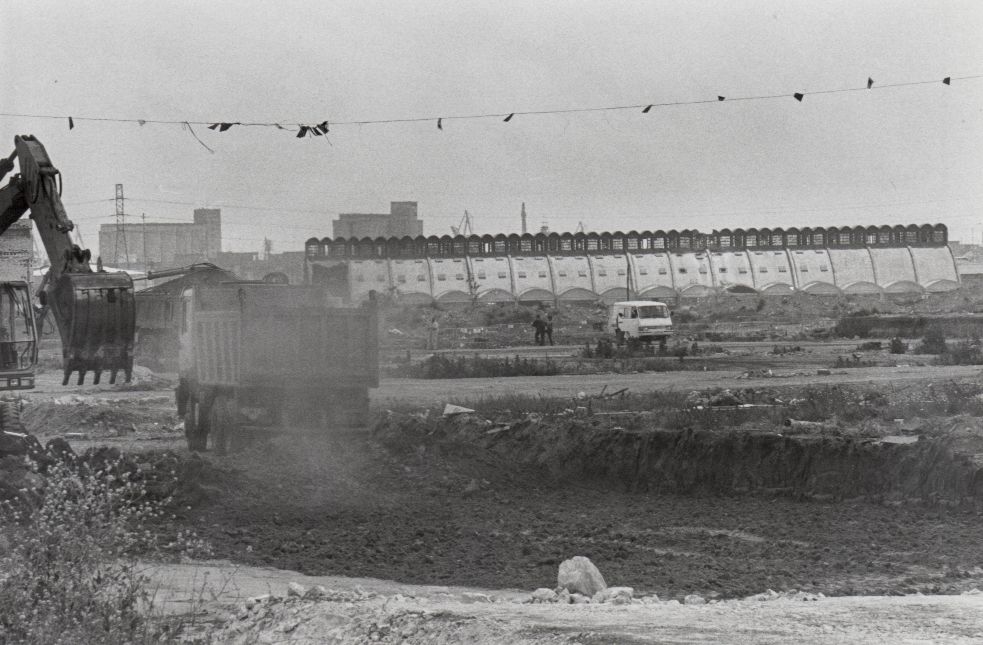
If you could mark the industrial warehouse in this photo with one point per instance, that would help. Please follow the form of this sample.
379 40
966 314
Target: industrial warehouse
579 267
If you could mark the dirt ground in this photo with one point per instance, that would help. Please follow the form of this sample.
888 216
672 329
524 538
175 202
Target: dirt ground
344 505
367 610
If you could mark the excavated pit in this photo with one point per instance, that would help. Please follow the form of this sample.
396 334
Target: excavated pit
943 464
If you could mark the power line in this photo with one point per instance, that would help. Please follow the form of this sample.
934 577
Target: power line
322 128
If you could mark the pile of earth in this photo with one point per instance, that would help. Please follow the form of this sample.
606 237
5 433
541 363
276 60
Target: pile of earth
176 480
101 417
944 466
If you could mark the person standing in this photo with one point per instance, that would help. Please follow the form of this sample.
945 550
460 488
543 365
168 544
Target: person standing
434 330
540 326
549 328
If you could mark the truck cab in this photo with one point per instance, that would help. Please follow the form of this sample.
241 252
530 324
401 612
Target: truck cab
640 320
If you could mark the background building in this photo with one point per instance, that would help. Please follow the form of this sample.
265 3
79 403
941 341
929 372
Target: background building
157 245
399 221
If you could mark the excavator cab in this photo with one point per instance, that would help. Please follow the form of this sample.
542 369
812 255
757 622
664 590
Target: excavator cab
18 338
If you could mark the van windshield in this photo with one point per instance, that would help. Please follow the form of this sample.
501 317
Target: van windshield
653 311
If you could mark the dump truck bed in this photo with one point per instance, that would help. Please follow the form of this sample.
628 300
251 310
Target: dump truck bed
253 335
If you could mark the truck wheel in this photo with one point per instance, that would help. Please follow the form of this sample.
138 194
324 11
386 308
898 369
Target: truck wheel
358 408
620 336
192 433
220 424
10 417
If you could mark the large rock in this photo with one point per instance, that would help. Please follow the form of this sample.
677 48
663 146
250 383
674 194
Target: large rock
579 575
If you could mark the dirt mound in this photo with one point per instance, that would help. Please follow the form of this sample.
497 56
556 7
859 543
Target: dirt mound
722 461
176 480
98 417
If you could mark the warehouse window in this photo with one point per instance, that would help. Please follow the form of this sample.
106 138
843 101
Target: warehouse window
401 279
441 277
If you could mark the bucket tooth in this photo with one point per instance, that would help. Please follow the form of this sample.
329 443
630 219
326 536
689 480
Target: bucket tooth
81 380
128 373
112 376
68 375
96 375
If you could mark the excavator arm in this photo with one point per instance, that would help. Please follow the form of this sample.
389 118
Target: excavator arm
94 310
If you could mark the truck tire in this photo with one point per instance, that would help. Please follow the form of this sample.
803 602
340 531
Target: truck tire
221 427
358 408
192 431
10 417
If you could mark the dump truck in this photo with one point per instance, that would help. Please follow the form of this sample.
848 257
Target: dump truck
259 357
158 308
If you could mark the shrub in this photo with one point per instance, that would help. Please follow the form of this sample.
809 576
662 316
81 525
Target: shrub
440 367
67 568
898 346
963 353
932 343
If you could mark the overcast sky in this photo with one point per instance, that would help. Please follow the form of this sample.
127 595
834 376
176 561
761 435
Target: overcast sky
894 155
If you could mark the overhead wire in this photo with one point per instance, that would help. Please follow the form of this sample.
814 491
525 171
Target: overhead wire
322 127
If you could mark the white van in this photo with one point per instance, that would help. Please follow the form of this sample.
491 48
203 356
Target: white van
643 320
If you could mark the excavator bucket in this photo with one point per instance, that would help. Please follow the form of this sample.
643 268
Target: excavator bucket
96 317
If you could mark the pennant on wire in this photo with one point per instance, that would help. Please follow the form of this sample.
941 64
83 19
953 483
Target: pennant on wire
71 123
303 131
721 98
870 82
946 79
798 96
647 109
440 124
221 127
509 117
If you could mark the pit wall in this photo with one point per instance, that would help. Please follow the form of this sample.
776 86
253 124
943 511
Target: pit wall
724 462
653 275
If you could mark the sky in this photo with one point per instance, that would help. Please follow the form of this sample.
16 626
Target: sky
910 154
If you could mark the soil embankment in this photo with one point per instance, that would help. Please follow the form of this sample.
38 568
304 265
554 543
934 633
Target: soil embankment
941 465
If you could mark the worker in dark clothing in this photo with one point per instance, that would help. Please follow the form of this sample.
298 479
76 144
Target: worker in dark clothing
540 326
549 328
